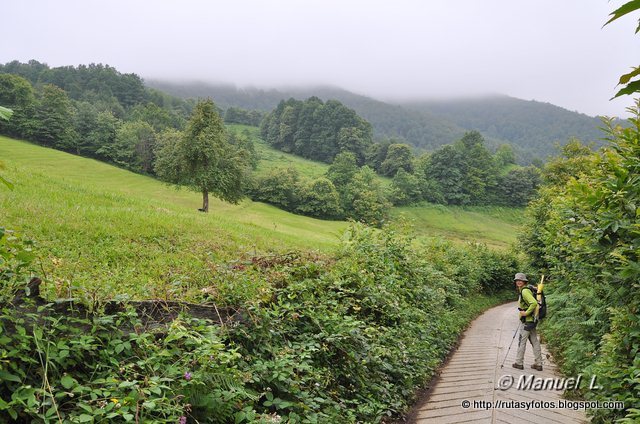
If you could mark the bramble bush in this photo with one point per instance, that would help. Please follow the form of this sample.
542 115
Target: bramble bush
349 338
352 342
87 370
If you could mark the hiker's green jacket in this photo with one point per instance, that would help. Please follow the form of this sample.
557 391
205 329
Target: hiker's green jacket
528 303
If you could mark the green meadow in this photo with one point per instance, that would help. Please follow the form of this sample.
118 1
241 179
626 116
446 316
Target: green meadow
106 231
494 226
102 231
271 158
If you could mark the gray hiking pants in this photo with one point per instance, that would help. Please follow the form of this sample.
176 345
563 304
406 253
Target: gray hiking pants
532 336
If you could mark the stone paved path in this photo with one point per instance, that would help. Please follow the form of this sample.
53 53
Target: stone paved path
473 373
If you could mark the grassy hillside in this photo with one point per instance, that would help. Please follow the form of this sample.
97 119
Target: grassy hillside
271 158
494 226
112 231
104 231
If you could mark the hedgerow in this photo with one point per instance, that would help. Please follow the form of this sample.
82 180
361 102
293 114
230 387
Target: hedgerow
584 233
348 338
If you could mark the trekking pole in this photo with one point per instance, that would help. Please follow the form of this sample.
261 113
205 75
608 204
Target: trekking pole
510 344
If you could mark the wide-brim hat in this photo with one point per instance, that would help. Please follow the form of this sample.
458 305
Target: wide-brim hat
520 276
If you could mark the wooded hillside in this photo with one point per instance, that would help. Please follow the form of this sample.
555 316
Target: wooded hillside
533 128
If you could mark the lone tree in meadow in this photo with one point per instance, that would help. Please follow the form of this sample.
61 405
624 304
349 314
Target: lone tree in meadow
202 158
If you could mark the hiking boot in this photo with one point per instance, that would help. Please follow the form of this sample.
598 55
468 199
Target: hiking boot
518 366
537 367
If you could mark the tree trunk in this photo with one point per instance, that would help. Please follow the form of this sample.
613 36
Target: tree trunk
205 201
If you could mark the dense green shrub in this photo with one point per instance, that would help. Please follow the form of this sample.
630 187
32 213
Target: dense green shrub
405 189
319 198
361 199
399 156
353 342
583 231
279 187
349 338
342 169
74 368
517 187
90 369
364 200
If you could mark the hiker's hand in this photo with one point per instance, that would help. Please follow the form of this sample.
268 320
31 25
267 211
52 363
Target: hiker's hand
523 313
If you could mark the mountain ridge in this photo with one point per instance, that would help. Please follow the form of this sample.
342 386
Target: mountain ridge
533 128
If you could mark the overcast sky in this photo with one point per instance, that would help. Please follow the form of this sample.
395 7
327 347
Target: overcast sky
554 51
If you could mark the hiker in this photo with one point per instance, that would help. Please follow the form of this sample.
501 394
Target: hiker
527 307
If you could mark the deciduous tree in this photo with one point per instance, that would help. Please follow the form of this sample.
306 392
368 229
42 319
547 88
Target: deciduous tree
405 188
477 168
365 199
103 135
504 156
203 159
444 175
55 119
629 86
320 199
399 156
342 170
17 93
518 186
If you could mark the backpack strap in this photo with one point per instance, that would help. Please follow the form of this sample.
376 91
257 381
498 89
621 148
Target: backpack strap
522 297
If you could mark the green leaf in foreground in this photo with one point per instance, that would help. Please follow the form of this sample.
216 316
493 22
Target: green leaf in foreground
623 10
4 375
67 382
624 79
632 87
